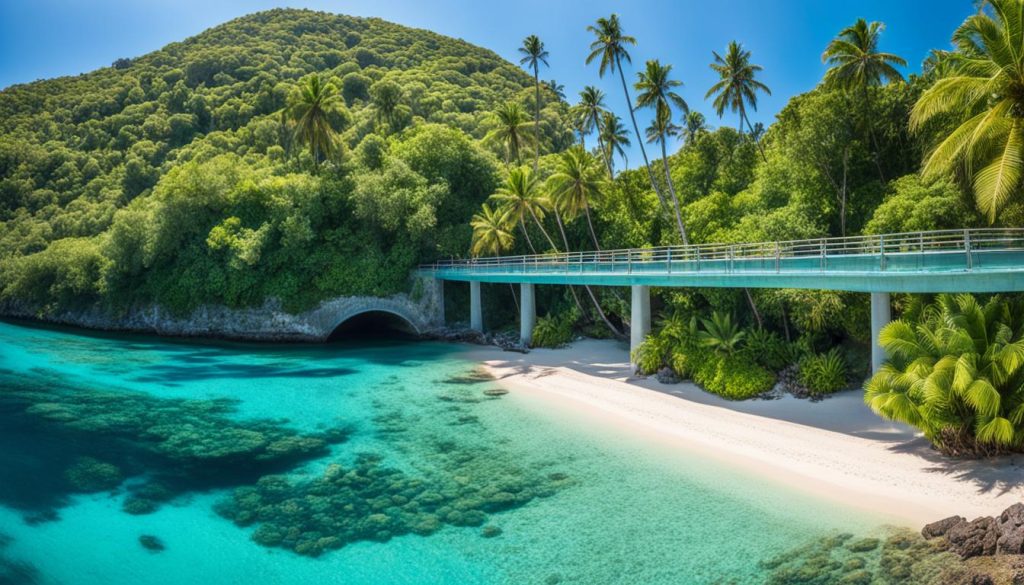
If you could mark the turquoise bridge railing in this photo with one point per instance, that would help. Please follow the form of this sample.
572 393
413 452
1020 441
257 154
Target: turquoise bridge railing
967 260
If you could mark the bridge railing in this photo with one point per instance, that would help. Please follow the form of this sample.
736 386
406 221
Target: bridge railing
877 251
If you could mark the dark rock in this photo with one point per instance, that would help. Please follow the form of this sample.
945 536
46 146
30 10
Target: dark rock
982 579
1010 525
490 531
151 543
940 528
975 538
495 392
667 376
863 545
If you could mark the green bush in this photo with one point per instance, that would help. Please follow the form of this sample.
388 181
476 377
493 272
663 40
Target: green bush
823 373
649 356
739 379
767 349
552 331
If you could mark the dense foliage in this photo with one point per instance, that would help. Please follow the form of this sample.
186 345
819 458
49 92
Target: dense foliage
288 154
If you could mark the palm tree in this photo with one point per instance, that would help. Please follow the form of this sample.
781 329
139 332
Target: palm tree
510 131
957 373
533 55
982 90
615 137
610 45
310 107
590 109
659 131
521 198
856 65
386 97
575 184
695 124
737 87
656 89
556 88
491 235
721 333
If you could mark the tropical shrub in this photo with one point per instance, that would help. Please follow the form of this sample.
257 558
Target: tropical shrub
553 331
767 349
957 373
736 378
823 373
721 333
649 356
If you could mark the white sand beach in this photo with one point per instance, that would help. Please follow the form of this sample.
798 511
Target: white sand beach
836 448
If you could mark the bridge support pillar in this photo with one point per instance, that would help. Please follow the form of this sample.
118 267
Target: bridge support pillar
640 316
881 314
476 313
527 313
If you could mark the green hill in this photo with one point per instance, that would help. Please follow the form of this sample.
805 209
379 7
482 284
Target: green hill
173 178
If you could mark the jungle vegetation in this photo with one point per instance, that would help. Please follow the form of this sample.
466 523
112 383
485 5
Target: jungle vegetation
295 156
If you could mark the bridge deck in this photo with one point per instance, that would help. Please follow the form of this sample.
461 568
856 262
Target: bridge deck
982 260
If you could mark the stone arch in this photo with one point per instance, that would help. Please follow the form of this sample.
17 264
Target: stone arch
404 319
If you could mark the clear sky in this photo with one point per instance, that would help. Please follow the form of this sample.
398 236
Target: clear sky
48 38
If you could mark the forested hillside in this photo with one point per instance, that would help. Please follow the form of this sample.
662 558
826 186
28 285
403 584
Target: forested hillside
179 177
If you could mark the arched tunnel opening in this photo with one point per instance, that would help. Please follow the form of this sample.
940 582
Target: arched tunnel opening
381 325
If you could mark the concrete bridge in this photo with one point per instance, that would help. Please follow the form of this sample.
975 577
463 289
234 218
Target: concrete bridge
971 260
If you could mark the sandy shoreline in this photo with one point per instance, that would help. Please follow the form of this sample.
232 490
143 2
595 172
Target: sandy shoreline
836 449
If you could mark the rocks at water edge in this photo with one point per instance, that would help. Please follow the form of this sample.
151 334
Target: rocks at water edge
985 536
151 543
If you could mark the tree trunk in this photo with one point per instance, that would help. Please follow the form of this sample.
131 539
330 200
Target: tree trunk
672 193
605 155
515 299
756 141
639 139
590 224
529 242
597 306
544 231
536 118
753 307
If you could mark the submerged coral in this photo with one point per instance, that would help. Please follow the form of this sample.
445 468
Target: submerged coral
15 572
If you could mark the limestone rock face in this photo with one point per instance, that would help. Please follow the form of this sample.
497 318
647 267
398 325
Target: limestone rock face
940 528
975 538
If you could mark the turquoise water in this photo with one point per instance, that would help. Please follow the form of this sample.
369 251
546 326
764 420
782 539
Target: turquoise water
445 483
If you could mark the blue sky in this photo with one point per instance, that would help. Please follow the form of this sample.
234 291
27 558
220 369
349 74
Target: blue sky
48 38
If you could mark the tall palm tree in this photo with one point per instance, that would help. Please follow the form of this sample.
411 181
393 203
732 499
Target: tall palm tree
610 45
520 197
856 64
510 132
659 131
310 107
737 87
491 235
575 185
533 55
590 109
656 89
695 124
615 136
982 90
556 88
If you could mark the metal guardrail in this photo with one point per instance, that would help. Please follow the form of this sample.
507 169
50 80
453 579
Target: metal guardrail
736 257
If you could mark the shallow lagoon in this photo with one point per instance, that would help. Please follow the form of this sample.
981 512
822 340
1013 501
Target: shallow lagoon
585 506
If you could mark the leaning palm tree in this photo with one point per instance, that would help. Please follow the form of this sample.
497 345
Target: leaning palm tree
575 185
695 124
957 373
615 137
520 197
656 89
533 55
310 107
856 64
610 46
491 235
660 130
737 87
981 90
510 131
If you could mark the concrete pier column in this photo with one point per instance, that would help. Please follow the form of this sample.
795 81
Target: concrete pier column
527 313
881 314
476 313
640 316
